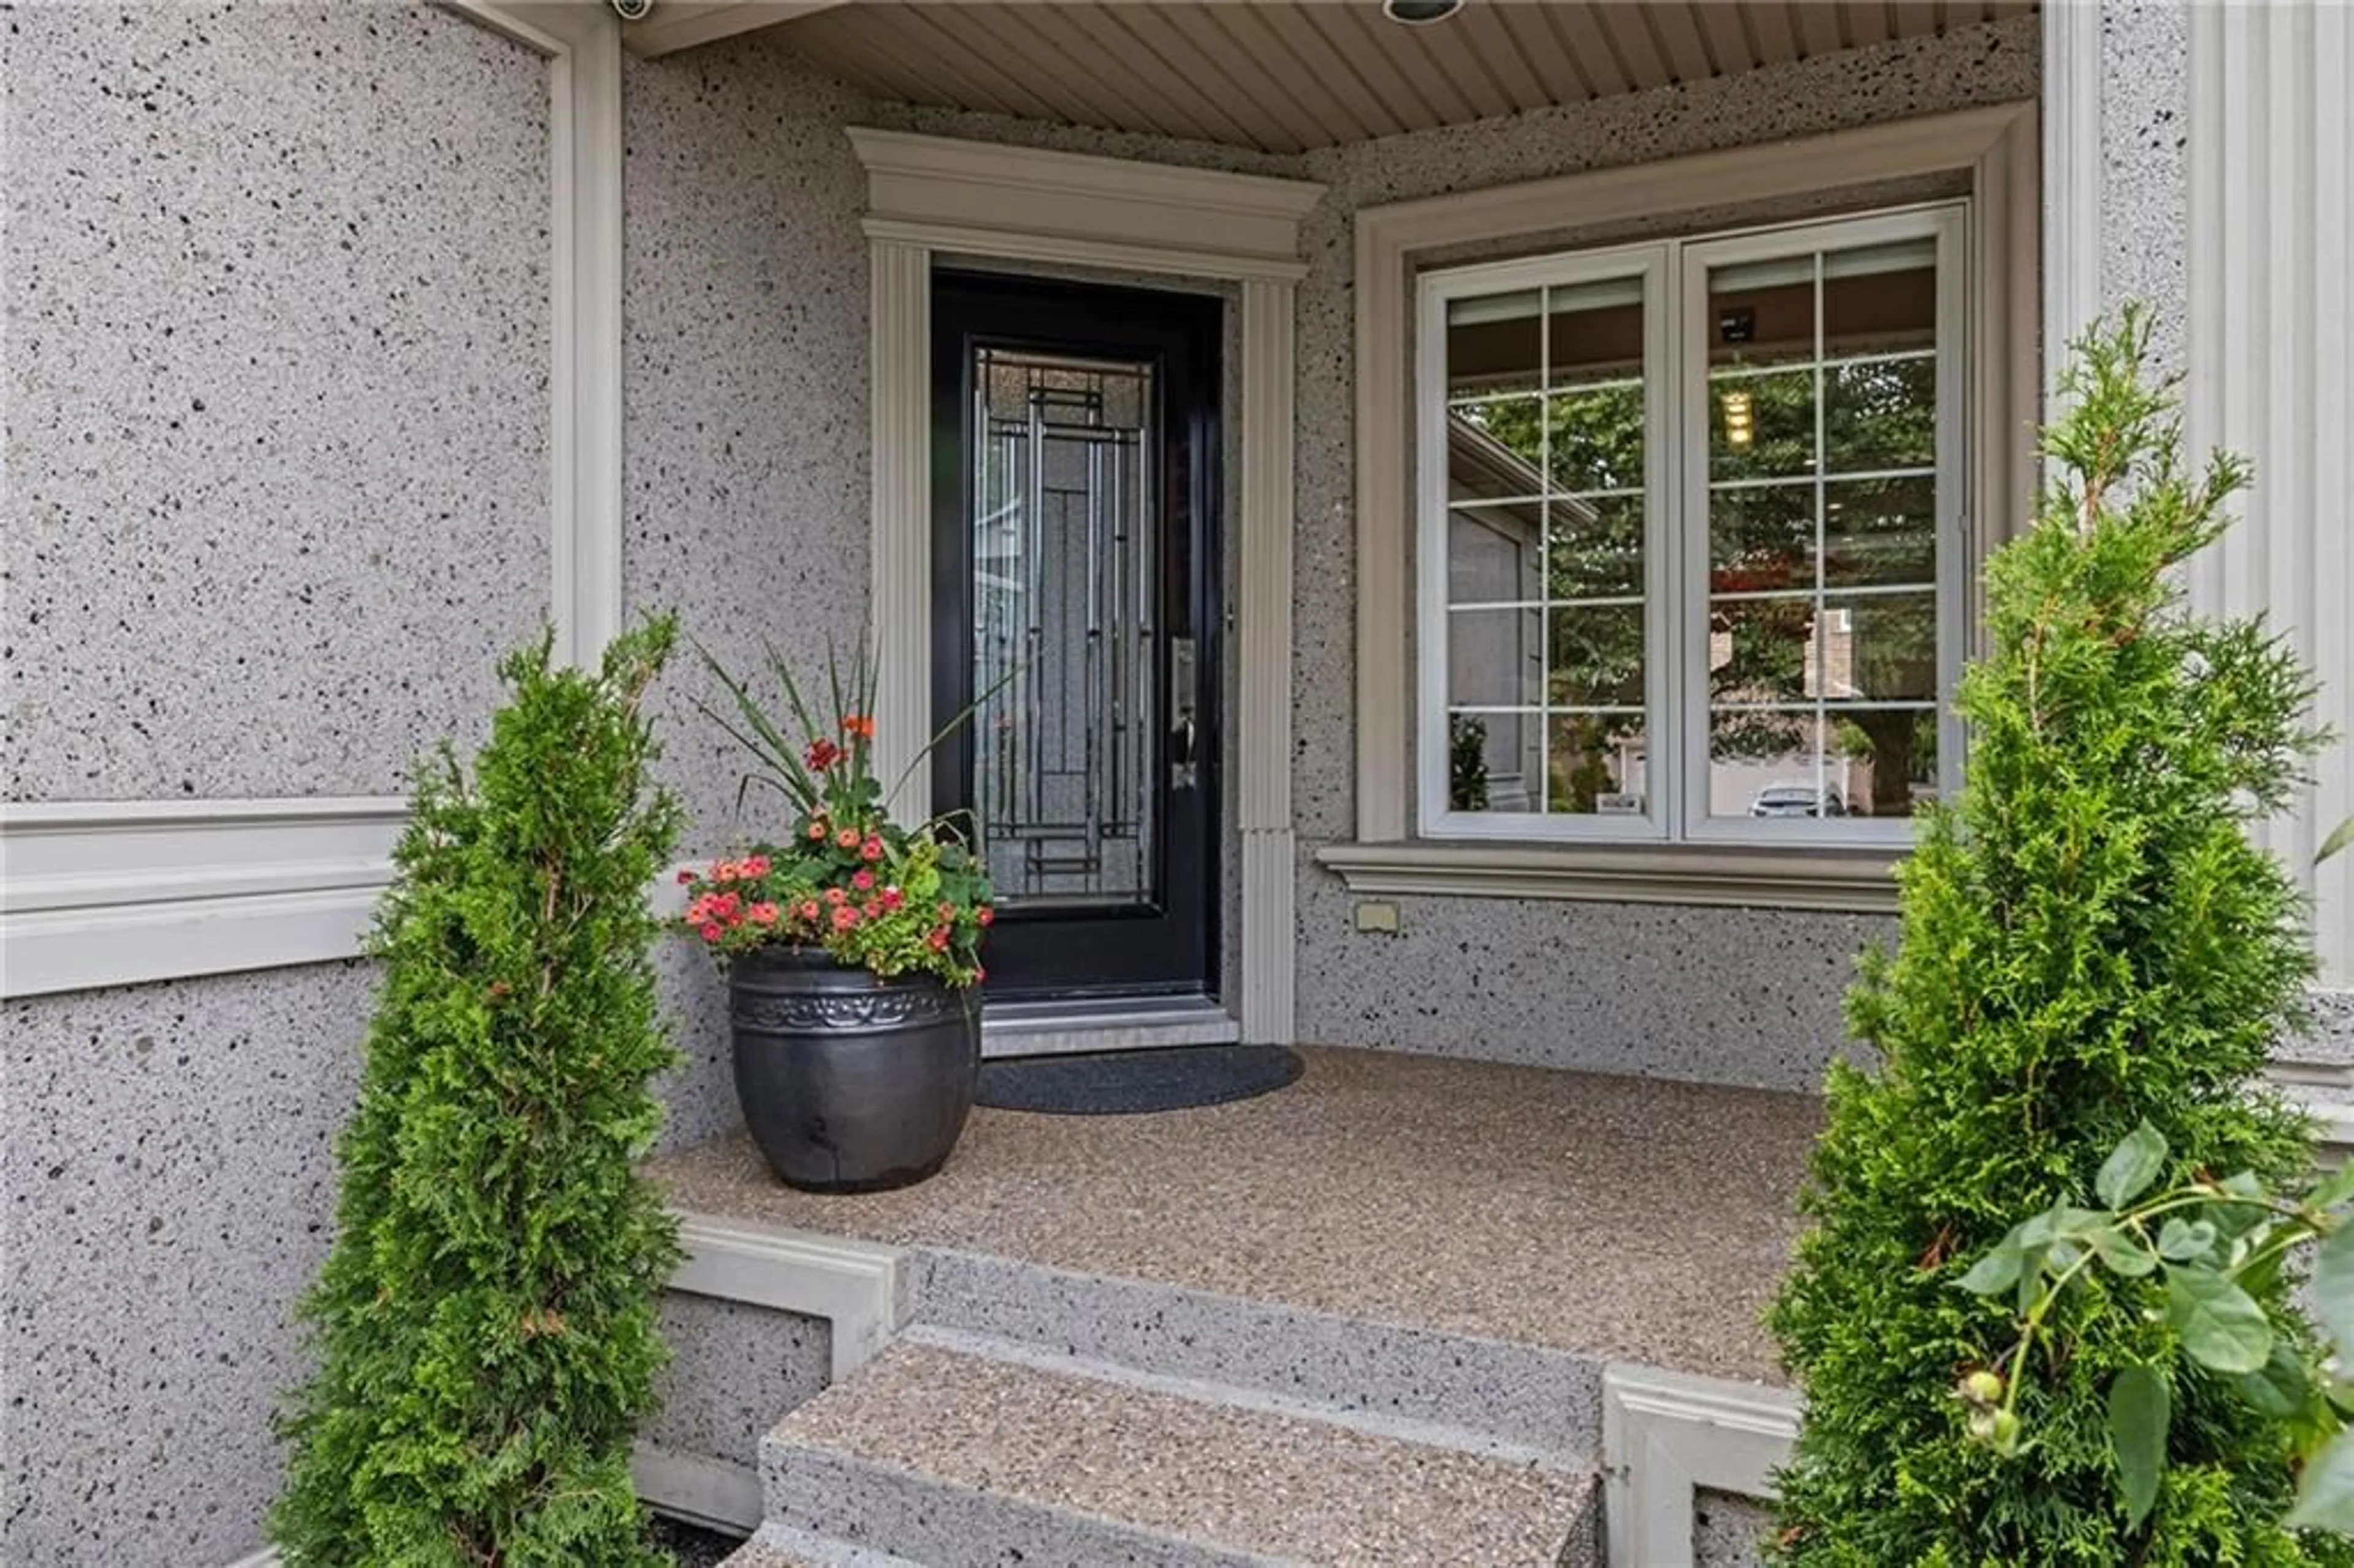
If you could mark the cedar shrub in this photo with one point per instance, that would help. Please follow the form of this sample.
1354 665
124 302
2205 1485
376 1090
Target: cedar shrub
484 1325
2088 940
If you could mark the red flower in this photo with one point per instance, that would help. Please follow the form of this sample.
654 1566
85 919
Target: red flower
844 918
893 898
822 754
847 838
835 895
711 933
984 914
870 908
809 908
685 876
763 914
978 974
872 848
757 866
861 879
938 939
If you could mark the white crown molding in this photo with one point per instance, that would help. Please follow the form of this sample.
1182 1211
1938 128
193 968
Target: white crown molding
930 196
1666 1436
1996 146
582 45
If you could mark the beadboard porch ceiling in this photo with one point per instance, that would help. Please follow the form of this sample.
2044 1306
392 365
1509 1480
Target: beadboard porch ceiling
1285 76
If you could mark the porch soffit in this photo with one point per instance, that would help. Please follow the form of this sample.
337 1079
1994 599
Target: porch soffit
1286 76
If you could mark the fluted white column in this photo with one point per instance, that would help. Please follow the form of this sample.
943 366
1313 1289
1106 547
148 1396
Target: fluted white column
1269 865
2272 367
900 335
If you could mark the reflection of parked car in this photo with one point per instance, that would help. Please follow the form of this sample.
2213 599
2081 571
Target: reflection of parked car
1798 801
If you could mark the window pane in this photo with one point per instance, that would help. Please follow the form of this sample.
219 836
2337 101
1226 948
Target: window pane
1762 312
1495 762
1596 332
1767 765
1889 756
1595 765
1879 414
1761 536
1598 439
1595 550
1880 531
1880 299
1494 344
1761 651
1495 554
1495 658
1877 647
1762 427
1496 449
1594 656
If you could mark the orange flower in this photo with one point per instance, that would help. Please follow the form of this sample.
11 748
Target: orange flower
817 828
836 896
757 866
809 908
763 914
844 918
847 838
984 914
860 725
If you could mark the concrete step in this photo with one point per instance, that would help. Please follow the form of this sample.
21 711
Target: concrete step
1515 1396
952 1450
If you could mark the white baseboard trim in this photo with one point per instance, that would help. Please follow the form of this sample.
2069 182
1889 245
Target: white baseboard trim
854 1286
705 1491
1667 1435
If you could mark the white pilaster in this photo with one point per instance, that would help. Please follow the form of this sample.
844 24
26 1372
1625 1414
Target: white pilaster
2071 174
2272 370
1264 613
899 328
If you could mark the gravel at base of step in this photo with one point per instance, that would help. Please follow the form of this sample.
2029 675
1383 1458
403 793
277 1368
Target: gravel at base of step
945 1457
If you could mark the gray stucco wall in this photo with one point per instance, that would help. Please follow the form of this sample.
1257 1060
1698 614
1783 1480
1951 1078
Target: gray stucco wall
1529 983
273 283
736 1370
168 1188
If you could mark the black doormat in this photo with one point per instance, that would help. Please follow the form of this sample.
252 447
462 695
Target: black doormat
1126 1083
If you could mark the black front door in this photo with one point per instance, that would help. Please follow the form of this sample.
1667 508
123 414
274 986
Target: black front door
1075 503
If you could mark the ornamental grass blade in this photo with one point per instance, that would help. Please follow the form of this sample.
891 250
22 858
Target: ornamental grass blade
2220 1325
2140 1410
2131 1167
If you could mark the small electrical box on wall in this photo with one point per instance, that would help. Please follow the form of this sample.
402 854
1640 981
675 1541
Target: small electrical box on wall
1378 917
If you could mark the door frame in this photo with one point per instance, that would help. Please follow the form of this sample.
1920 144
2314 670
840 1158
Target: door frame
931 197
1185 338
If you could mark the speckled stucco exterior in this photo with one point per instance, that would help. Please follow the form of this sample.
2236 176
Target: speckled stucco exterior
735 1370
274 286
165 1153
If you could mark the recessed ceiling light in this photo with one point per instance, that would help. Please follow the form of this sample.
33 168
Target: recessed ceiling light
1420 12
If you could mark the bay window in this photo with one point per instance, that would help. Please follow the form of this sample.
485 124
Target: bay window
1690 529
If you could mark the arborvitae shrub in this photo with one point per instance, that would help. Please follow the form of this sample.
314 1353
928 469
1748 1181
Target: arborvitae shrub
484 1326
2089 939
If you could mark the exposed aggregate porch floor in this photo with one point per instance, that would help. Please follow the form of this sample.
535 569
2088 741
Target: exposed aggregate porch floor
1636 1218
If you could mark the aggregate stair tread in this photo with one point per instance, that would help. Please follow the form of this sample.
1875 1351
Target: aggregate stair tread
952 1457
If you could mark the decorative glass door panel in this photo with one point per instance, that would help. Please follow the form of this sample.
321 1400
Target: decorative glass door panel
1064 593
1074 505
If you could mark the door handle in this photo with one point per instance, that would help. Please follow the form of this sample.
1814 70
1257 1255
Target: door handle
1185 772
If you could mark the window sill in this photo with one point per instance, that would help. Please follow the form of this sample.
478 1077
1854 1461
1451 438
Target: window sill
1855 881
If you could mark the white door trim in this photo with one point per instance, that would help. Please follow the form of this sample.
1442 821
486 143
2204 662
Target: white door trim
930 196
1666 1436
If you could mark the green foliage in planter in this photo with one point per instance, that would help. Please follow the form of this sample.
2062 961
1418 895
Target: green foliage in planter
2089 942
485 1324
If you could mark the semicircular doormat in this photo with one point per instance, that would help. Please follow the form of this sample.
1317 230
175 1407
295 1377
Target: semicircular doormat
1129 1083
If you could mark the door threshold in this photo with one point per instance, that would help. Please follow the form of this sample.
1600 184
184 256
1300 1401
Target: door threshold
1104 1024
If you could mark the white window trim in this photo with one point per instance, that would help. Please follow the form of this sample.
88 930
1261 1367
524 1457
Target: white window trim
1995 147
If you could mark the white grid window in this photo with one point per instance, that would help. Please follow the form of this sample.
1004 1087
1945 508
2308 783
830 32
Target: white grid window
1687 519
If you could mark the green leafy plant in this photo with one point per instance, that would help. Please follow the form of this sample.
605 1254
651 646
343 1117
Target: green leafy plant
848 879
1467 764
2089 943
484 1325
2211 1252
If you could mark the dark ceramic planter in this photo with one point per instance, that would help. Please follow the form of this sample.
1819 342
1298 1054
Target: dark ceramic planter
849 1083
